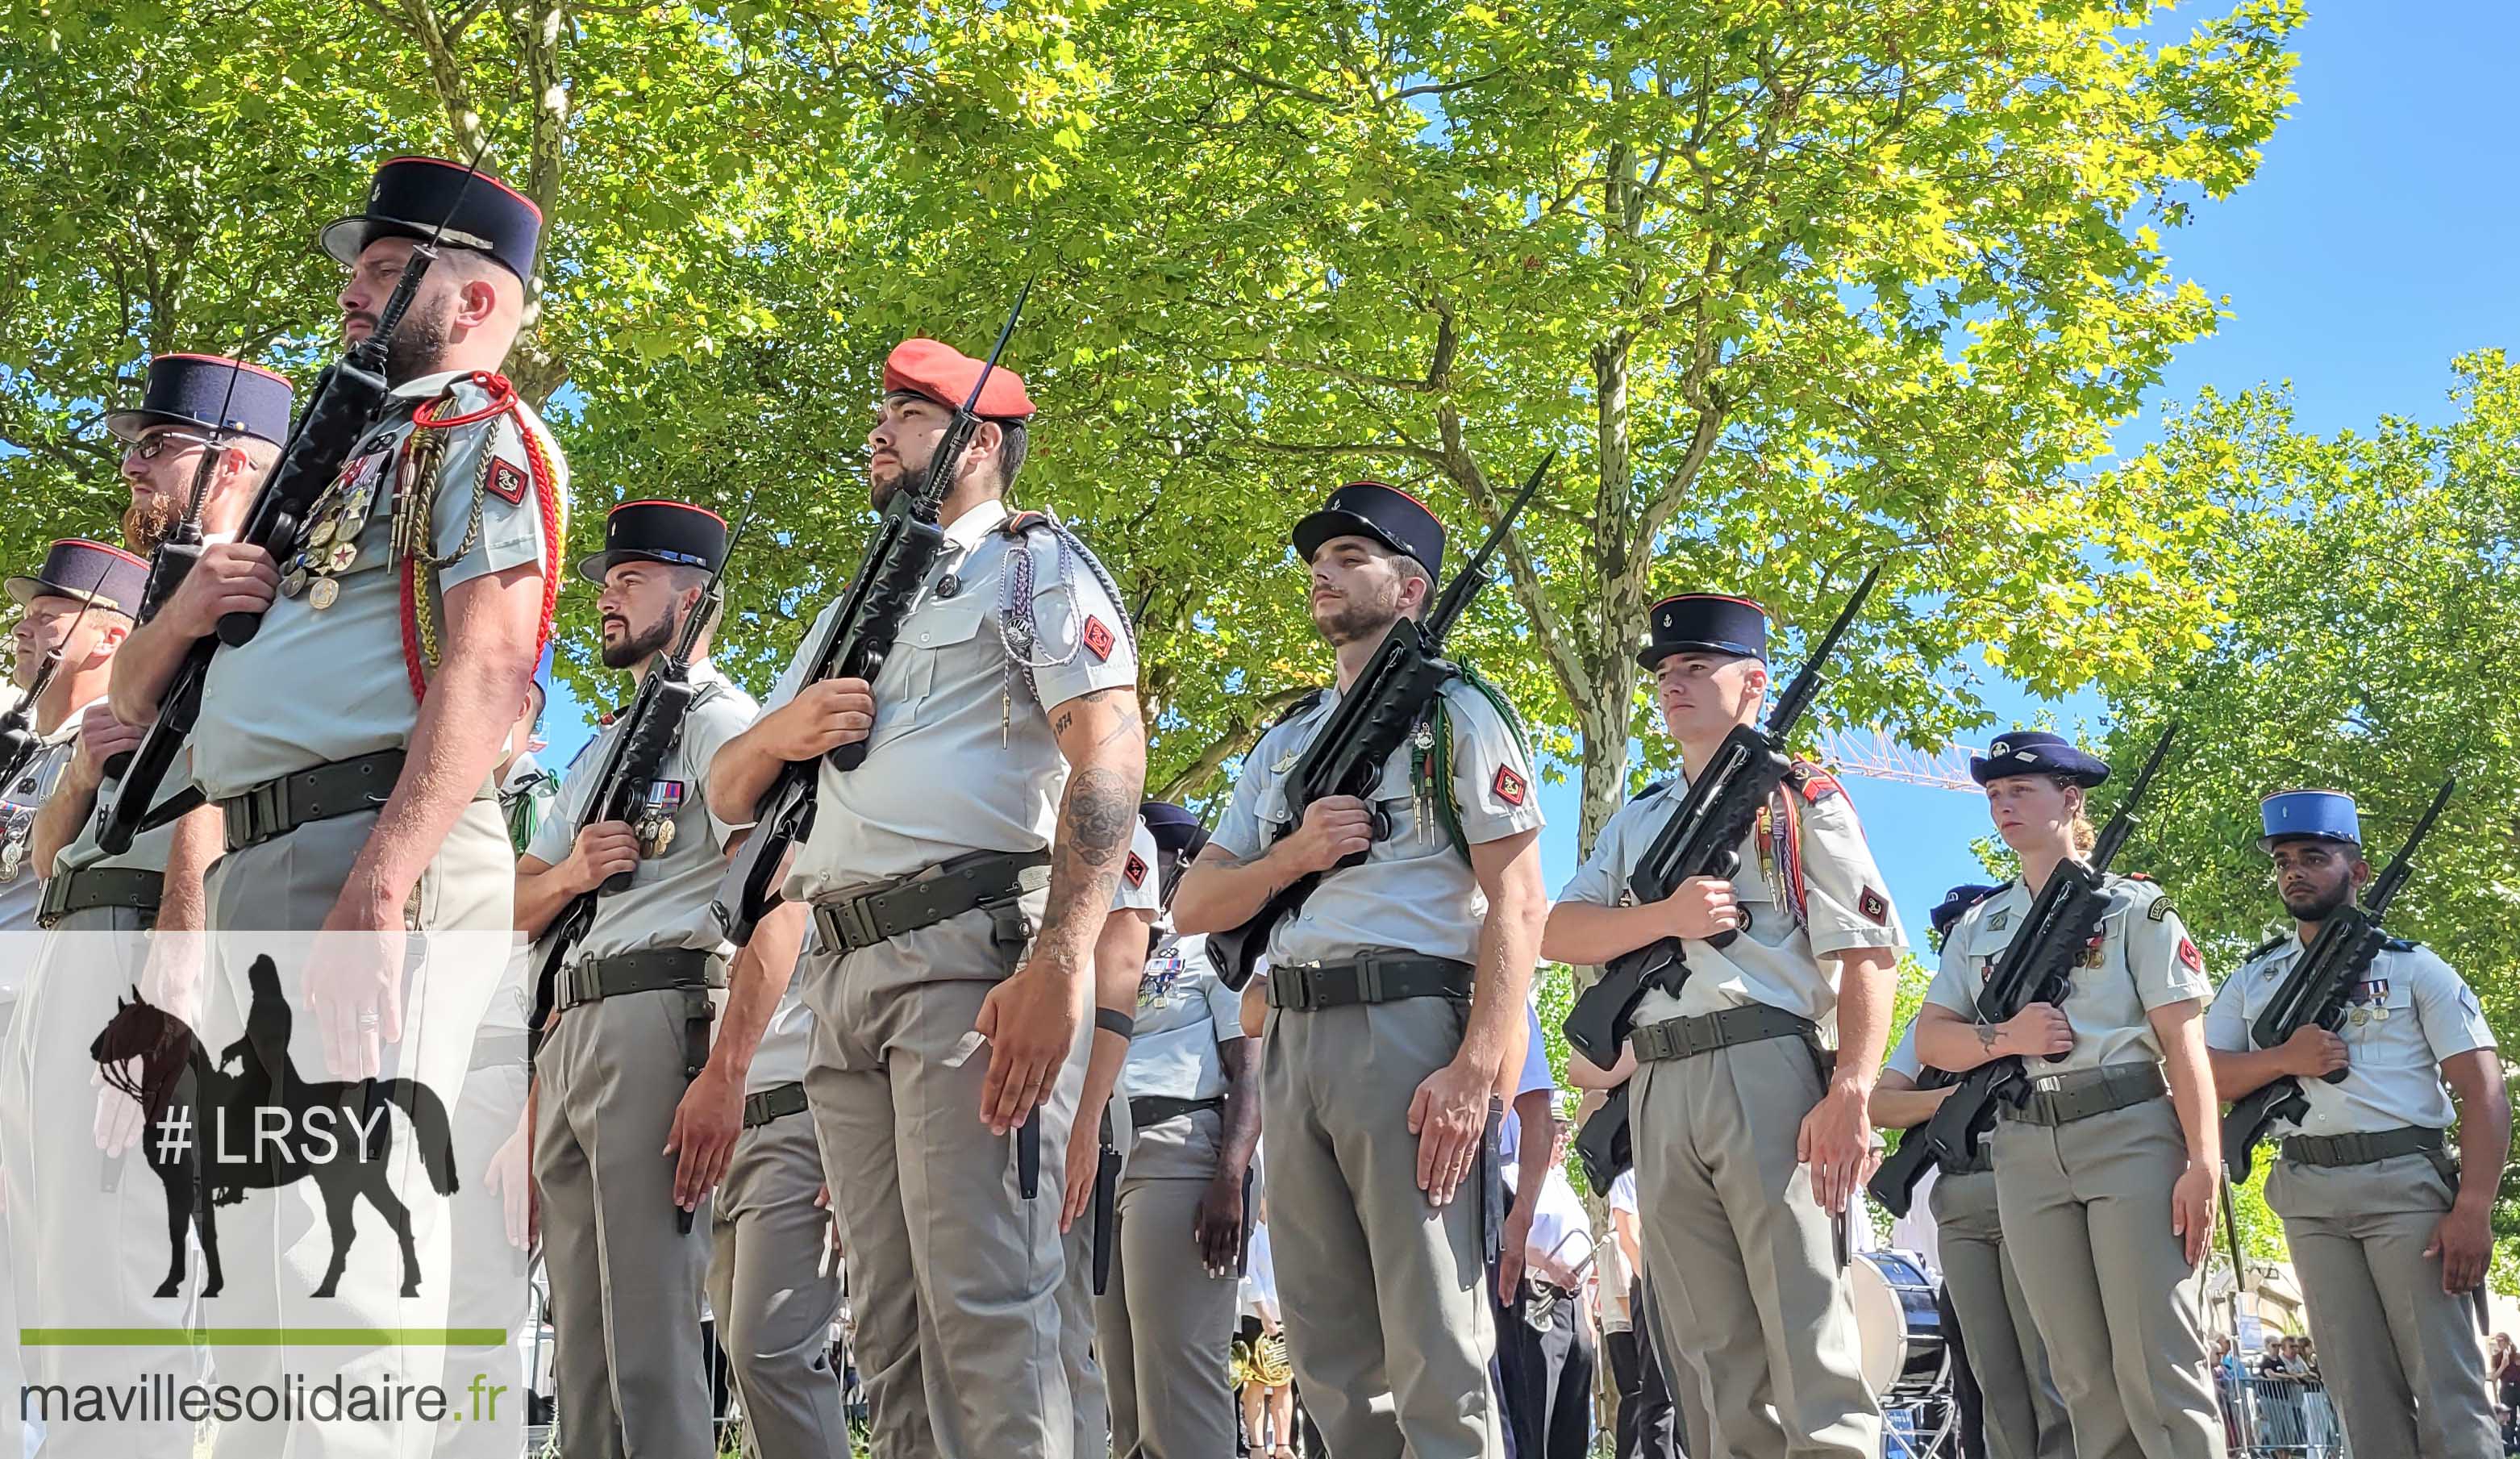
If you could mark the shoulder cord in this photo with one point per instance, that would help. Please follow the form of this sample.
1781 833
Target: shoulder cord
1015 630
414 510
1782 852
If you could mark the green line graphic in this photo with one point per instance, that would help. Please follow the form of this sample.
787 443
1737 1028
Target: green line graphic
263 1337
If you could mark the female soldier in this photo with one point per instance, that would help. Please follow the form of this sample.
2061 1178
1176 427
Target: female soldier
1167 1318
2106 1188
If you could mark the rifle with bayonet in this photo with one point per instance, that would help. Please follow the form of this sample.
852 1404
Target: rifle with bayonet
650 727
2314 993
1702 838
1374 717
2038 967
348 400
19 740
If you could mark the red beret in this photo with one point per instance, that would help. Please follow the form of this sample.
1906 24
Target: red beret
946 375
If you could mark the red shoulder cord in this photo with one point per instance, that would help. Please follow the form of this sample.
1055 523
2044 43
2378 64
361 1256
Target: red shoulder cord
419 648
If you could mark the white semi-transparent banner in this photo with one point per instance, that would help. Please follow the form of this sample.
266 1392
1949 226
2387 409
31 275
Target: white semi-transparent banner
240 1216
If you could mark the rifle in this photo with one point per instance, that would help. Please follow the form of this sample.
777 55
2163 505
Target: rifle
2036 967
2340 955
17 738
650 729
348 398
1378 713
1702 838
856 640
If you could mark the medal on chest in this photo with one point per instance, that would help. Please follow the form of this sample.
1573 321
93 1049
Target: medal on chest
654 827
2368 1003
329 543
1156 986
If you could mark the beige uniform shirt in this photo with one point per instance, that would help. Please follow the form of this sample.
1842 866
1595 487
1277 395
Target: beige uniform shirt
1414 891
668 902
2404 1018
962 758
1779 959
2143 958
318 685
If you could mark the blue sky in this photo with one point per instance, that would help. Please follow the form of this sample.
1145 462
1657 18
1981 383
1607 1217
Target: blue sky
2371 248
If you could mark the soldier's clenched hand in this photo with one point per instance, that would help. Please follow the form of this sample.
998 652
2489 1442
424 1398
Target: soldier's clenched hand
1703 906
231 578
2313 1052
2039 1028
102 737
1335 828
824 715
603 851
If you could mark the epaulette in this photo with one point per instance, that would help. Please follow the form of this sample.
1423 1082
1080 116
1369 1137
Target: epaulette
2134 876
1305 705
1814 782
2266 947
1017 523
1656 788
2400 945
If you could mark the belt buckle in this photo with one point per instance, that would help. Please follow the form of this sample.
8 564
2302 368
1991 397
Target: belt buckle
2048 1084
1299 992
856 921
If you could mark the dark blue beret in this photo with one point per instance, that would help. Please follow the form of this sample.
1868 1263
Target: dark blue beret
88 572
1705 623
193 389
675 532
1386 514
2031 752
1174 828
410 196
1956 904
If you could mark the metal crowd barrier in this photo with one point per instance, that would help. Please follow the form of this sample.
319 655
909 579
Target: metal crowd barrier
2278 1418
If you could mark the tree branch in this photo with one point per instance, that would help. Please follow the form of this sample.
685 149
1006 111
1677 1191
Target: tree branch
1556 640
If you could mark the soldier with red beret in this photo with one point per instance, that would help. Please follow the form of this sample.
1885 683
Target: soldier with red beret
957 880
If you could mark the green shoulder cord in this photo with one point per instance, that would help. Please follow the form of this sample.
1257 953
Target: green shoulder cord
1430 756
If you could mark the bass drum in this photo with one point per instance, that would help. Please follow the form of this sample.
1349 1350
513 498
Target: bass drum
1899 1328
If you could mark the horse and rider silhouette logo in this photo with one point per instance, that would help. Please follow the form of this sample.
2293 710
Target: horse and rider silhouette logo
212 1135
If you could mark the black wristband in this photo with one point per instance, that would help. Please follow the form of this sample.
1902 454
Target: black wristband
1111 1020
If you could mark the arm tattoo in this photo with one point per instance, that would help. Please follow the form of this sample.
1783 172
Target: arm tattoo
1986 1037
1094 824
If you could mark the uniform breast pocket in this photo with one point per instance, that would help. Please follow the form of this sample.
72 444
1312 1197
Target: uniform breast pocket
933 643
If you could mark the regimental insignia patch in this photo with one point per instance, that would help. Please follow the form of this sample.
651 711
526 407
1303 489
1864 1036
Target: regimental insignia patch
2188 957
2160 909
1509 787
1098 638
1874 906
1136 870
508 481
